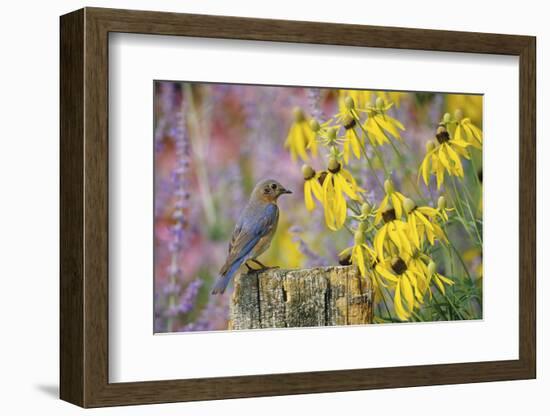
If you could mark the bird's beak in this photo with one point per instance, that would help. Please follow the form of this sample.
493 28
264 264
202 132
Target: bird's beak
286 191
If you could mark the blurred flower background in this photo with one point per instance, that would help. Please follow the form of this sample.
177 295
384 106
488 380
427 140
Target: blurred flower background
213 142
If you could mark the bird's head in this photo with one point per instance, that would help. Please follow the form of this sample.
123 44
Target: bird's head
269 190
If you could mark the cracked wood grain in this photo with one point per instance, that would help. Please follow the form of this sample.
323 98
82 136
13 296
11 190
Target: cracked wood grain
277 298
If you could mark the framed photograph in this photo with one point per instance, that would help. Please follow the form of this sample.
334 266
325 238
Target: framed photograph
260 207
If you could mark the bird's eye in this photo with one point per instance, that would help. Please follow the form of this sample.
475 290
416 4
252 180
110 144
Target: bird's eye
273 186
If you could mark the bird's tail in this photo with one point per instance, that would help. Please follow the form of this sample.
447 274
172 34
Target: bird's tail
223 280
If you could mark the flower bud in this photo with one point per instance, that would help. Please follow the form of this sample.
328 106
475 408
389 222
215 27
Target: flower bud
446 118
298 114
431 268
380 103
388 186
441 130
314 125
365 209
459 115
349 103
333 165
409 205
359 237
430 145
441 203
308 172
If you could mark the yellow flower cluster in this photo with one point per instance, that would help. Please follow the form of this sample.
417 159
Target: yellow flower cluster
330 188
444 155
396 259
379 127
394 241
379 124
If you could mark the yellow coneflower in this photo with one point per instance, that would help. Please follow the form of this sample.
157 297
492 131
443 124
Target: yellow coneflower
443 157
348 118
312 187
379 124
420 223
418 262
391 198
359 251
364 257
336 183
394 231
467 131
427 273
404 276
300 137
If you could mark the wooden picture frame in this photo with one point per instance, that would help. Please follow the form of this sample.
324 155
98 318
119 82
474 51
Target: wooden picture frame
84 207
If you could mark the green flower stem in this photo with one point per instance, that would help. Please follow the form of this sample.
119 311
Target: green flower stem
467 195
417 316
395 149
381 159
378 155
349 229
408 176
474 172
362 145
457 253
450 256
458 205
474 221
385 303
401 160
451 304
356 207
355 210
456 201
440 312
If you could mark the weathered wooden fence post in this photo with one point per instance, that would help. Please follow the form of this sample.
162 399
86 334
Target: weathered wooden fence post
277 298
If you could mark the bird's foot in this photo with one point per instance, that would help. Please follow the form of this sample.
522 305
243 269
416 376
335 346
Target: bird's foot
252 269
262 268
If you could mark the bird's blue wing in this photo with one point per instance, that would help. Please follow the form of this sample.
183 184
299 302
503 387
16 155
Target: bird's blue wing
249 232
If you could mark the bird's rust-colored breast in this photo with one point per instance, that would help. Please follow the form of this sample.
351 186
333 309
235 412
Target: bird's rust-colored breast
265 241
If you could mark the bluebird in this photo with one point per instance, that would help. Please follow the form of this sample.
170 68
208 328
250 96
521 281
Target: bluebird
253 232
